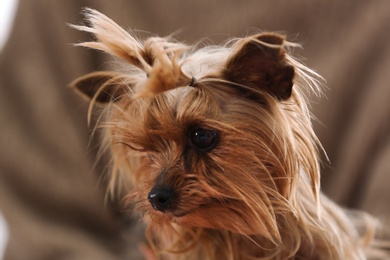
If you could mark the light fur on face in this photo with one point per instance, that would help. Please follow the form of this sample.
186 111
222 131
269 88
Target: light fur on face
255 192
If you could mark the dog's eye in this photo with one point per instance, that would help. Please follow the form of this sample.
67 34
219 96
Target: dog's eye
203 140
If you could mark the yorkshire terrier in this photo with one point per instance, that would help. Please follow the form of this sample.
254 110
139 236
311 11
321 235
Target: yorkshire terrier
217 147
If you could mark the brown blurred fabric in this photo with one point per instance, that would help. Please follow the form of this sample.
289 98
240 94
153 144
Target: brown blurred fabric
50 193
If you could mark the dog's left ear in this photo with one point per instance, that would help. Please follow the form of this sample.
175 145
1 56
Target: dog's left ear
259 62
103 86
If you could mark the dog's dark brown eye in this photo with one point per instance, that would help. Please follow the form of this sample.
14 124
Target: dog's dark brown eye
203 140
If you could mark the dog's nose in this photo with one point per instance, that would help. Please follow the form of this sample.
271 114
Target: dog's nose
161 198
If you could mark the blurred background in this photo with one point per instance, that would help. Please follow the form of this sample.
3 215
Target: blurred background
51 196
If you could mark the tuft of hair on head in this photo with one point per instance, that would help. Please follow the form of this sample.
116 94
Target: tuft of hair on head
154 63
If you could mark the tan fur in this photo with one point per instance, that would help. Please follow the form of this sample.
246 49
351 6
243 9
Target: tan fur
256 194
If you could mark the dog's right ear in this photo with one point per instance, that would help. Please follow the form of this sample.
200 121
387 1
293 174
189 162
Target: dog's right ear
259 62
101 86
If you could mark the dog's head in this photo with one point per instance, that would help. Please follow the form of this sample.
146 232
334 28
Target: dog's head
216 138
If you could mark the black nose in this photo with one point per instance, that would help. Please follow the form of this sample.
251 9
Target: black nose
161 198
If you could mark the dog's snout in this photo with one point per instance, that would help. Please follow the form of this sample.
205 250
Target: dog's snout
162 198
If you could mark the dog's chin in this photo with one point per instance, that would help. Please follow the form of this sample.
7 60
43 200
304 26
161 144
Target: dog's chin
181 219
177 216
205 216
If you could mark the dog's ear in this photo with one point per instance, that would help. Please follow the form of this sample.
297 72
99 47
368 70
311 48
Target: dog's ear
102 86
259 62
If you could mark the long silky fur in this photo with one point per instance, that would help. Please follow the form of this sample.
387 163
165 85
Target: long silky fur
278 214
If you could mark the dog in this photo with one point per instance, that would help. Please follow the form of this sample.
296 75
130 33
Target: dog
217 149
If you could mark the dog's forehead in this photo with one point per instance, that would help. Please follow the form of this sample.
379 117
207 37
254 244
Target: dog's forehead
180 107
